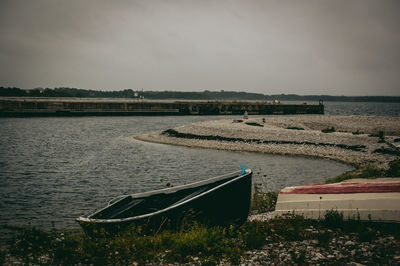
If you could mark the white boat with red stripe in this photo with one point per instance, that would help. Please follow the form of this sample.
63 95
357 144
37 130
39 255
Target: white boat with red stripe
364 199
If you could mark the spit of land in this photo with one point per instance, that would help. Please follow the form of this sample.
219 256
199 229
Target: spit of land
357 140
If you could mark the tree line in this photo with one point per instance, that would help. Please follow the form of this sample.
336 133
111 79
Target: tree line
182 95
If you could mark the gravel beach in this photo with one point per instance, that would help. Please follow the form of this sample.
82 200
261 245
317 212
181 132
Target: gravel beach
357 140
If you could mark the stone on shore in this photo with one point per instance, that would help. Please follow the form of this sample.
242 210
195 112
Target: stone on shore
358 140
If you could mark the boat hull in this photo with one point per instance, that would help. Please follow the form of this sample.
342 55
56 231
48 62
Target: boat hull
227 203
365 200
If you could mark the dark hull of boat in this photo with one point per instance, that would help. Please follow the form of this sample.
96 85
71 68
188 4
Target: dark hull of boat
218 203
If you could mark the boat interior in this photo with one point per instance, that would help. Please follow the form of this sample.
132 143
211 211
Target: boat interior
130 206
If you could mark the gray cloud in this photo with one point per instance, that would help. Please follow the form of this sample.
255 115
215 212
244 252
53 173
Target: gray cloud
304 47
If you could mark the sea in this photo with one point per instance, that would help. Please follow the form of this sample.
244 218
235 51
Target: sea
54 169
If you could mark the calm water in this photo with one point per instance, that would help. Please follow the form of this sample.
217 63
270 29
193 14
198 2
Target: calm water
357 108
55 169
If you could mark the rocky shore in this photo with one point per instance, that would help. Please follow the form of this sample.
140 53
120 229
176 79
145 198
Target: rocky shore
357 140
341 249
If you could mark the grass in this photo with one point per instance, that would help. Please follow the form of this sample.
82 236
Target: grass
2 257
390 151
380 135
394 169
358 132
263 201
295 128
370 172
328 130
367 172
209 244
195 244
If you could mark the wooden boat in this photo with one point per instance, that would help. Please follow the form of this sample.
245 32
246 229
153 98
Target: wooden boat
364 199
222 200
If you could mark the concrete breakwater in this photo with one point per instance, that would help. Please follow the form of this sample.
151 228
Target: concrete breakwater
25 107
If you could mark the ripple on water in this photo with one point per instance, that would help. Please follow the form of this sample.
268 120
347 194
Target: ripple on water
55 169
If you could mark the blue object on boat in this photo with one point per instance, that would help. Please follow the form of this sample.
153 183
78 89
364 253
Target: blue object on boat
243 169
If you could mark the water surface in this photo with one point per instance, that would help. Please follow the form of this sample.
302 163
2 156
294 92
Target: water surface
55 169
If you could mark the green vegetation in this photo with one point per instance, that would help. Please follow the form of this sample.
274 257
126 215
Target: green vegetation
358 132
209 244
195 244
254 124
2 257
200 95
391 149
370 172
328 130
295 128
263 201
384 150
66 92
394 169
367 172
380 135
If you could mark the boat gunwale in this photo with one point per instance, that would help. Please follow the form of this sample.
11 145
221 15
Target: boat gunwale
169 191
343 188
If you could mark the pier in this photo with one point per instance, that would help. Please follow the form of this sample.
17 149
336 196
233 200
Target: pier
31 107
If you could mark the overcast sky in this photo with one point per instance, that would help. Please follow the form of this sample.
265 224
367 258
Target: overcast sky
337 47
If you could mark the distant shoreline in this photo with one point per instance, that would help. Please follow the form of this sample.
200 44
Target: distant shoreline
355 139
184 95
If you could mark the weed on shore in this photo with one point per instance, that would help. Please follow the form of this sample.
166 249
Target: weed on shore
254 124
370 172
196 244
295 128
263 201
328 130
203 245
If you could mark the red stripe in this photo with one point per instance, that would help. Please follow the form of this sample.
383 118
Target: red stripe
344 188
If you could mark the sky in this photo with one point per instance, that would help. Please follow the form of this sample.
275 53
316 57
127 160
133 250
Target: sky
336 47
